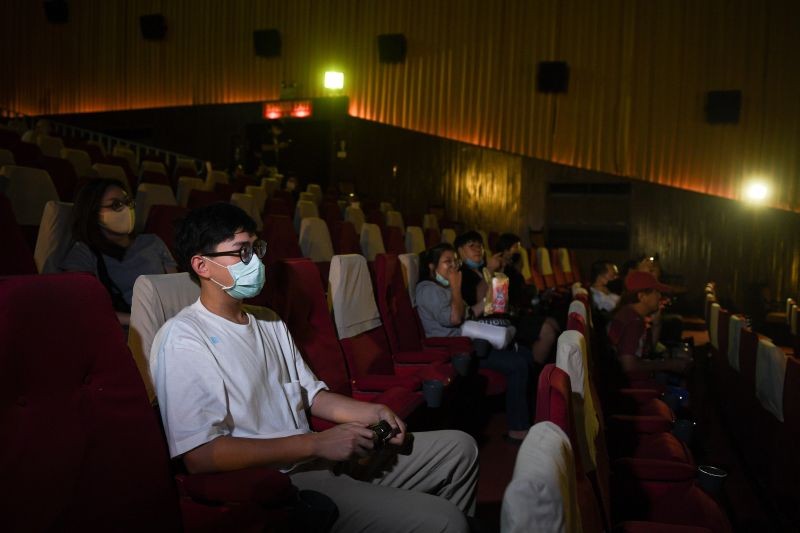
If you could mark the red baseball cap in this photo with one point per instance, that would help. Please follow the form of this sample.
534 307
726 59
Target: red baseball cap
641 281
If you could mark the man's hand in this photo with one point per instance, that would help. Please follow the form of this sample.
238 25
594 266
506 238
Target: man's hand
344 442
495 262
398 426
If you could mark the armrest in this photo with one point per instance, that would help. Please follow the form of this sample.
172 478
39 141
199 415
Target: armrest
654 470
640 424
384 382
425 357
259 485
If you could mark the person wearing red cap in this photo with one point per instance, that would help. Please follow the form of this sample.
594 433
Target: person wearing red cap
628 330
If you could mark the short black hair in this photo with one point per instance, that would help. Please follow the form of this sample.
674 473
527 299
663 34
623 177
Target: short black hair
506 241
599 268
432 256
470 236
204 228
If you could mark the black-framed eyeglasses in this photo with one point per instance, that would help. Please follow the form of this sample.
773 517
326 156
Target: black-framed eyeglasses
118 204
245 253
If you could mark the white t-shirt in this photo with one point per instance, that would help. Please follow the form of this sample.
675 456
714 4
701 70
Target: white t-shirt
604 301
214 377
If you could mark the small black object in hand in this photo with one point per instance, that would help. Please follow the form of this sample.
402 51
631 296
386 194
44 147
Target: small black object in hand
383 432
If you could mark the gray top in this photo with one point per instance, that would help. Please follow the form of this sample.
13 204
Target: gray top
147 255
433 305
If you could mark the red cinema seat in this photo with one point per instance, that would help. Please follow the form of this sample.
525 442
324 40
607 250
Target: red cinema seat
344 237
298 297
18 258
111 470
162 220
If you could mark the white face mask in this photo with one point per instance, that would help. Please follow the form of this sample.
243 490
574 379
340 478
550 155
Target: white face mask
120 222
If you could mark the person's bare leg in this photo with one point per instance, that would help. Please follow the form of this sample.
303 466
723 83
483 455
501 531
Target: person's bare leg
543 346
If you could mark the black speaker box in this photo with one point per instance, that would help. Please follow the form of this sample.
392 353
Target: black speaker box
392 48
723 107
552 77
154 27
56 11
267 43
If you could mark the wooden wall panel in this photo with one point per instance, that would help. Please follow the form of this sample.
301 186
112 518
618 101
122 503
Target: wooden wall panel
639 72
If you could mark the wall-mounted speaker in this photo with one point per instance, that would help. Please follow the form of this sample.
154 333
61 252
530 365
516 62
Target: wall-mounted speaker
552 77
56 11
392 48
154 27
723 107
267 43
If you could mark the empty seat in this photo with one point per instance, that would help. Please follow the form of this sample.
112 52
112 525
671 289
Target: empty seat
448 235
113 172
28 189
395 218
6 157
415 240
316 191
148 165
127 153
248 204
344 237
80 161
259 195
281 239
185 186
371 241
393 240
432 237
315 240
201 198
307 197
429 220
304 209
216 176
50 146
355 216
270 185
162 220
148 195
26 154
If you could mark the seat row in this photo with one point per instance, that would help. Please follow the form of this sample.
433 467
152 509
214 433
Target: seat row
757 385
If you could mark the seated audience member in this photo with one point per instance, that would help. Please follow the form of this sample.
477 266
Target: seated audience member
234 392
442 309
475 289
628 332
534 329
603 300
102 227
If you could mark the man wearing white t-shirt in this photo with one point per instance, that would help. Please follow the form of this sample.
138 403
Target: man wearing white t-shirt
234 391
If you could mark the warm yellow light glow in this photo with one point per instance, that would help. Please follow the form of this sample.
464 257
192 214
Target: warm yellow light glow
334 80
756 191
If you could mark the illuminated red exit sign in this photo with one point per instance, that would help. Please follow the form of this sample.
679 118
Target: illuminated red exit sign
288 108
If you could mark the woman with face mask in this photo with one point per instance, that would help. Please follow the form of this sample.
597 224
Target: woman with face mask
442 311
102 228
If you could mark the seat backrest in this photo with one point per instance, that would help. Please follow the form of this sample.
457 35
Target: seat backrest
545 268
17 257
770 377
395 218
536 276
6 157
393 240
344 237
55 237
151 176
394 305
79 159
410 270
554 399
156 299
558 271
50 146
185 186
571 358
429 220
748 347
734 337
270 185
713 325
162 220
78 384
259 195
201 198
432 237
357 319
25 153
301 303
355 216
723 327
307 197
542 494
316 192
28 189
331 212
248 204
304 209
153 166
113 172
371 241
148 195
448 235
63 175
315 240
415 240
281 239
127 153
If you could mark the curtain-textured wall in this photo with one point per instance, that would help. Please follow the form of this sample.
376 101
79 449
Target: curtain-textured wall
639 73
